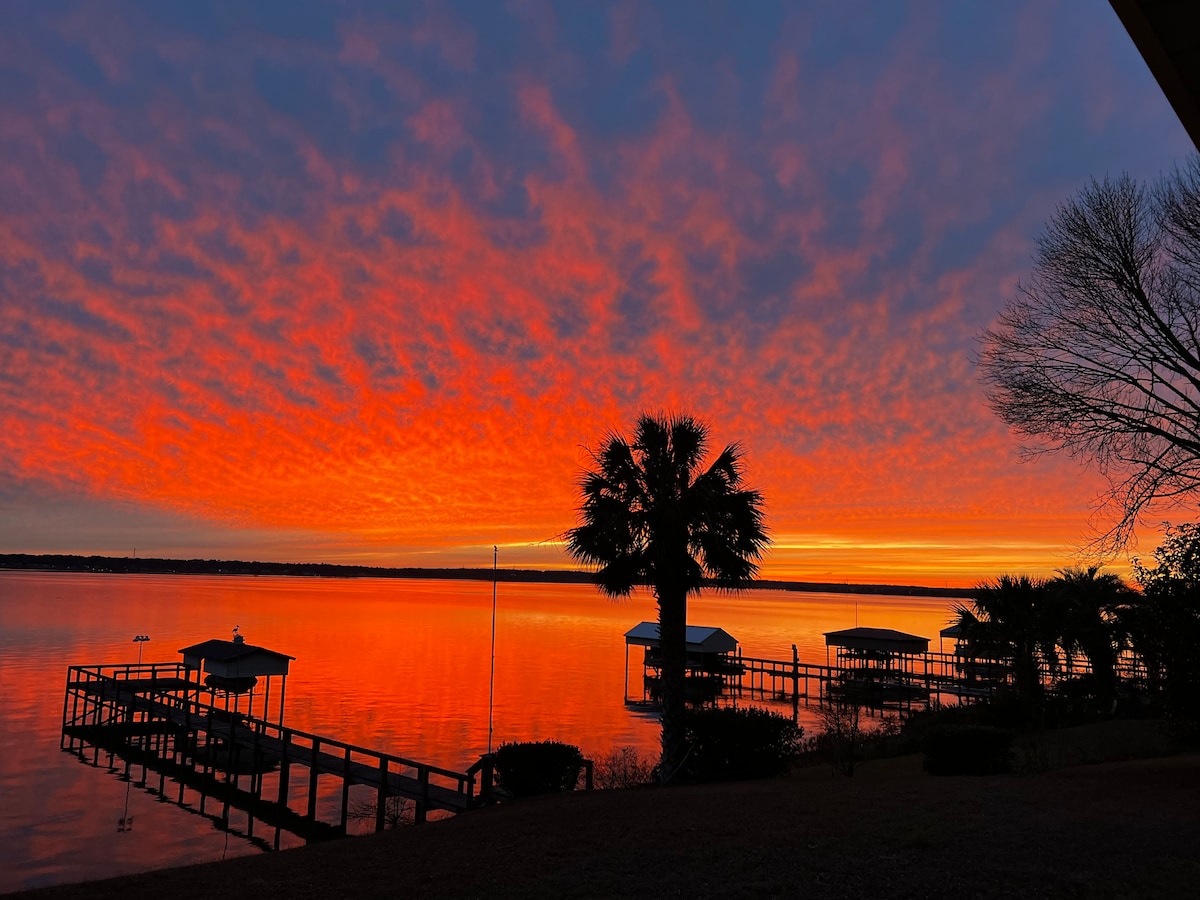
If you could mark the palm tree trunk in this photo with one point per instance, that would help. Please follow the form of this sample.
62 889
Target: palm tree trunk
672 632
1104 675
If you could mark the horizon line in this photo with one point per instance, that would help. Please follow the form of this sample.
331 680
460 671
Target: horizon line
134 565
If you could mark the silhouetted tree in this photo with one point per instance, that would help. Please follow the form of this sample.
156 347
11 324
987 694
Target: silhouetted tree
1089 601
1164 622
651 514
1098 355
1009 617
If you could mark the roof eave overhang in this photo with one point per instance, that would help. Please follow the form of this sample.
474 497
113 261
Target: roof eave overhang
1167 34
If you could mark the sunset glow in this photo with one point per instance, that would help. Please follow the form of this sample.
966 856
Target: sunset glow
297 282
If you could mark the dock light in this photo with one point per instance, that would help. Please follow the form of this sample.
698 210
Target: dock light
140 639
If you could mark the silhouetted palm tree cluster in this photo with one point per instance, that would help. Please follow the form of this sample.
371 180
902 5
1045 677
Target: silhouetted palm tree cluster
652 514
1043 627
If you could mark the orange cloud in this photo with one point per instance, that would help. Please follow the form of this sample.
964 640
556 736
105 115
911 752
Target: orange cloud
374 286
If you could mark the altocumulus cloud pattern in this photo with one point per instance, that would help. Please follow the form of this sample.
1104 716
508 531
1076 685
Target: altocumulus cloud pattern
328 281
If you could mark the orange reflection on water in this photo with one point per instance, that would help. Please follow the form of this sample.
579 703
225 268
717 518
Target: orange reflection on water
397 666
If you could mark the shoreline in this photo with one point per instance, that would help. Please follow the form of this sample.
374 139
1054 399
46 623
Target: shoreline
116 565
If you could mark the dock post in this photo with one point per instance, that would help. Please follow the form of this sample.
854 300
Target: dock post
312 779
66 697
345 788
285 765
209 761
423 795
486 775
795 683
381 797
256 764
74 712
230 772
928 684
626 697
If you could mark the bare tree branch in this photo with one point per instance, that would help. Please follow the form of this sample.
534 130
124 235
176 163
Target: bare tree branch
1098 354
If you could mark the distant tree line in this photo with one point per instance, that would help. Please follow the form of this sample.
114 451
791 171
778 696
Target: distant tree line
126 565
152 566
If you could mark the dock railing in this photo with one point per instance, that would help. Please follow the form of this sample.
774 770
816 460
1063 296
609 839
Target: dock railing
124 695
917 677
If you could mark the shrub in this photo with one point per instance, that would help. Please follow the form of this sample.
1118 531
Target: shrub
847 739
842 735
397 811
730 744
623 767
537 767
967 750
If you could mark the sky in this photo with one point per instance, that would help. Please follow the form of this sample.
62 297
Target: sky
363 283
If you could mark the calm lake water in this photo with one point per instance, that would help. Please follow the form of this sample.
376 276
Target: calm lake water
395 665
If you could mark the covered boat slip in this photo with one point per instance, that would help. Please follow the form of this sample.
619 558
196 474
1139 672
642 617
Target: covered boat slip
234 667
711 659
981 669
878 667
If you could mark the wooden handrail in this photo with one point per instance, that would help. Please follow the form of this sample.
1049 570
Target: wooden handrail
93 673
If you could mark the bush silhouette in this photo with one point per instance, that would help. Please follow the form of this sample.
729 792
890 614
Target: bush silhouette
537 767
730 744
624 767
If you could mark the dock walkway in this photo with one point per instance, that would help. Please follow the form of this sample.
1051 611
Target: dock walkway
156 708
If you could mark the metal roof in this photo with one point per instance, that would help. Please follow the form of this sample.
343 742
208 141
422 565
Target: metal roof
886 639
236 659
700 638
216 649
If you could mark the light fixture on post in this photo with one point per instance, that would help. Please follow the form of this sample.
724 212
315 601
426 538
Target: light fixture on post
139 640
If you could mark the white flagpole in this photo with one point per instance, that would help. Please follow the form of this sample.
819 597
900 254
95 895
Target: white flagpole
492 681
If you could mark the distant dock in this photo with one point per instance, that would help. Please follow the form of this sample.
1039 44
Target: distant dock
875 668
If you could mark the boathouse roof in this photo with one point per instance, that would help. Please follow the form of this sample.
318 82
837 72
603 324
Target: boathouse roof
235 659
887 640
700 638
953 631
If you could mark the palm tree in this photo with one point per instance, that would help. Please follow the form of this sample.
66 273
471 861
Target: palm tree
1091 601
1009 616
651 514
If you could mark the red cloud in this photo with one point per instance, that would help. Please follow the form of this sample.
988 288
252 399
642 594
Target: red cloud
230 317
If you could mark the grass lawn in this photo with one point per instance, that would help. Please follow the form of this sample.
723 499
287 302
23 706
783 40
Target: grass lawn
1126 828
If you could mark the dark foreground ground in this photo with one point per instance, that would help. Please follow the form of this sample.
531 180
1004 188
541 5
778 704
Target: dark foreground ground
1117 829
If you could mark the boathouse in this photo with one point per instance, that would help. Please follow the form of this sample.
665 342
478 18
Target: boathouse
879 665
711 657
234 667
980 665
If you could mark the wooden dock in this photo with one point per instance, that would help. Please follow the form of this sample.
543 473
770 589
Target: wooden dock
122 751
930 676
916 680
153 715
